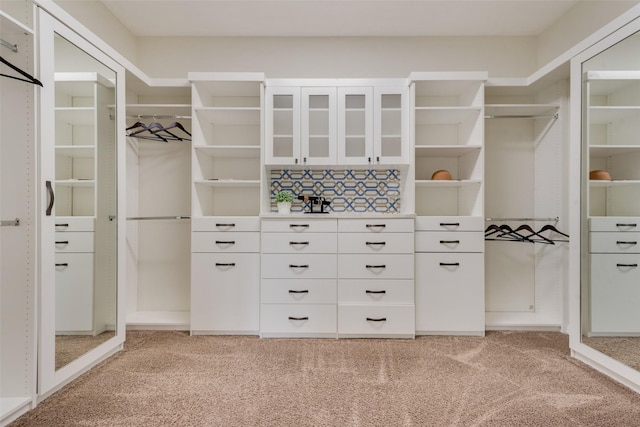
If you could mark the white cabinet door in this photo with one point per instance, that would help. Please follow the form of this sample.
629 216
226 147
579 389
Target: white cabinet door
391 132
282 126
225 292
318 135
74 292
355 125
450 293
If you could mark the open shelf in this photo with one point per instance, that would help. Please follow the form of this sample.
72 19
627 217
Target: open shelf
240 151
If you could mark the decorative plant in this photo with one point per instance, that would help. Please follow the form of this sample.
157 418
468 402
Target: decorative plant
284 196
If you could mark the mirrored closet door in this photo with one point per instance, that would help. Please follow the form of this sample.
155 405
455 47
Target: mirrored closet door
80 151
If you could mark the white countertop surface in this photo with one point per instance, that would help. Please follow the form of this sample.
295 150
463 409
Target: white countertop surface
276 215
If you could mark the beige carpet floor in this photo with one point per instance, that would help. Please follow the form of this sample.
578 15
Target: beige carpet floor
623 349
504 379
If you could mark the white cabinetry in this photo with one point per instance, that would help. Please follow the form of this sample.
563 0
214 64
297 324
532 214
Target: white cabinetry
336 122
298 286
375 278
225 262
450 276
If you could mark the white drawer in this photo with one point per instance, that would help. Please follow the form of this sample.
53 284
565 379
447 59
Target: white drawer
449 241
292 243
615 293
382 225
375 292
375 266
311 225
611 223
226 223
219 241
614 242
71 223
297 291
298 319
376 320
366 243
74 292
299 266
81 241
450 223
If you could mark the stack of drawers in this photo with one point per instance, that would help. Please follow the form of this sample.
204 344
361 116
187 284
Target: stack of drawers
614 246
74 239
376 278
225 282
299 265
450 275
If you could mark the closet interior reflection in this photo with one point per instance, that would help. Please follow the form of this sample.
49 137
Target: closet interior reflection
611 202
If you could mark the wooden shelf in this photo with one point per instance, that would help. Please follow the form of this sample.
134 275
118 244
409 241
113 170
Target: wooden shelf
607 114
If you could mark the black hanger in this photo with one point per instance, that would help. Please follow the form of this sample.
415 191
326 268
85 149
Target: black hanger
534 233
29 78
555 230
179 126
507 233
136 125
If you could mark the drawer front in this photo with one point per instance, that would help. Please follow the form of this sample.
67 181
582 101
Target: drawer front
376 266
311 225
366 243
383 225
376 320
69 223
614 242
74 292
615 293
622 223
298 319
293 243
297 291
81 241
447 241
225 291
450 223
299 266
218 241
375 292
222 223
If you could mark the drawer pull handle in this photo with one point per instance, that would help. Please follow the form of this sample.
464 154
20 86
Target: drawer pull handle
627 265
449 264
298 318
378 319
298 243
621 242
62 225
376 225
227 264
299 225
626 225
375 243
449 224
444 242
225 242
376 266
298 265
292 291
62 242
375 292
62 264
225 225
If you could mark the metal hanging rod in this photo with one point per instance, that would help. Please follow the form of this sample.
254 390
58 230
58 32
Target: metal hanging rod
523 116
149 218
523 219
10 223
158 116
13 47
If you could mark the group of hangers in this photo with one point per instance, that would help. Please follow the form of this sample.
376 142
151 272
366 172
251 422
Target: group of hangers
524 233
157 131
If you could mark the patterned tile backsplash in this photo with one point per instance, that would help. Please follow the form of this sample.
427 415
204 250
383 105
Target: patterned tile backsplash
348 190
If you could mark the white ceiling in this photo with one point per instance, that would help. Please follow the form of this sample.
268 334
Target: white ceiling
147 18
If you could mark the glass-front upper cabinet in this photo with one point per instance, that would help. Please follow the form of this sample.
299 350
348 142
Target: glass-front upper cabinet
318 138
282 125
355 125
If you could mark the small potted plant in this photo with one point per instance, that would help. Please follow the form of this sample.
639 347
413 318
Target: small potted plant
283 200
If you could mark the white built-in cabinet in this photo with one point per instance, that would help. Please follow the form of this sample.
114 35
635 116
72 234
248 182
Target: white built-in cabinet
332 122
226 202
610 129
448 134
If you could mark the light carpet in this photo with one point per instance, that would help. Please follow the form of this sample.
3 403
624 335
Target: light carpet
167 378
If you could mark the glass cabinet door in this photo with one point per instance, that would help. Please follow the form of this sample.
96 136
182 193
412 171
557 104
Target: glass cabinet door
282 125
391 125
355 125
318 126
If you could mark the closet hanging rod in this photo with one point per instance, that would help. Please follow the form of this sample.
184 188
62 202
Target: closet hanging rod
13 47
523 219
523 116
148 218
10 223
158 116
